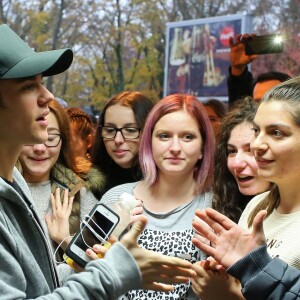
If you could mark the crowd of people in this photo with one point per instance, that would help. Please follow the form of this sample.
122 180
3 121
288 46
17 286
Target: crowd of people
216 212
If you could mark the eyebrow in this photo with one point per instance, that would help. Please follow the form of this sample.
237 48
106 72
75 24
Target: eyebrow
243 145
125 125
272 126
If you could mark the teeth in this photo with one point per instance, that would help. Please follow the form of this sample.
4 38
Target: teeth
243 176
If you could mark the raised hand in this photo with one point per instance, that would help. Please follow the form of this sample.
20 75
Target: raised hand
238 57
58 221
158 271
230 241
215 284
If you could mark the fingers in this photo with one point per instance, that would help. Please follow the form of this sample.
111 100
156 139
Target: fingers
63 207
101 250
204 247
132 235
258 230
217 221
91 254
136 211
160 287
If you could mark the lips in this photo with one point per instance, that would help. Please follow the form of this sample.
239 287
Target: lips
120 151
244 178
262 161
174 158
43 116
38 159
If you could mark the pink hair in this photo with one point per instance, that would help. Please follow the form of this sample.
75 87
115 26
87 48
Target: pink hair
203 171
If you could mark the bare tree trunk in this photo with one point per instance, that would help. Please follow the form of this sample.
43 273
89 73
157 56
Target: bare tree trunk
56 37
118 49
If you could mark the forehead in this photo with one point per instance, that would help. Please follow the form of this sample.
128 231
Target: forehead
262 87
273 112
119 114
178 119
241 134
210 111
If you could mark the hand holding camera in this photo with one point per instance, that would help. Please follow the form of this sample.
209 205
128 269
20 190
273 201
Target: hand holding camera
246 48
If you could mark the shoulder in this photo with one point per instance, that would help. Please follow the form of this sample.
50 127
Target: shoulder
250 207
256 200
95 180
204 199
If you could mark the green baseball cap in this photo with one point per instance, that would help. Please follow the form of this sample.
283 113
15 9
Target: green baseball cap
18 60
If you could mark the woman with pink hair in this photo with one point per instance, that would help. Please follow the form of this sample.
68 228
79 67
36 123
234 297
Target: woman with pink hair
176 158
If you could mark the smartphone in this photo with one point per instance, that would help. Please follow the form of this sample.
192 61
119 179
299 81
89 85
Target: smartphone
264 44
95 229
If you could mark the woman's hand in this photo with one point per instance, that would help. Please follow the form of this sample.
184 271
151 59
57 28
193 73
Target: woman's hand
230 241
136 212
210 284
58 221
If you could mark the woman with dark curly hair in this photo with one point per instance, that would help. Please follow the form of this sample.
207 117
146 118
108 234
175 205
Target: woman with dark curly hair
235 172
235 183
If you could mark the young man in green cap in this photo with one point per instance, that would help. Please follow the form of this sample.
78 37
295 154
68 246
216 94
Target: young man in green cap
27 269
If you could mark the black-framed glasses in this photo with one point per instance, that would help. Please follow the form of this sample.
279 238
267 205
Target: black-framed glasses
128 133
53 140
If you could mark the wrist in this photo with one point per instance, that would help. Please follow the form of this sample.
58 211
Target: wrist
63 244
238 71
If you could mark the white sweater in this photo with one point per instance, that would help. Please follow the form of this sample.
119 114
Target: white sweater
281 231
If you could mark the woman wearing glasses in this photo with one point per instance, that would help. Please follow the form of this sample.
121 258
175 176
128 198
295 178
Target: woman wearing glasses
52 164
117 140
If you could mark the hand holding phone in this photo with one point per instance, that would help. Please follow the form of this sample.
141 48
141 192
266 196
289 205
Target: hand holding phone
96 229
263 44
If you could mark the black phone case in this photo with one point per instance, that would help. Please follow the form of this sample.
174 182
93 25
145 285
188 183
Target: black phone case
82 263
263 44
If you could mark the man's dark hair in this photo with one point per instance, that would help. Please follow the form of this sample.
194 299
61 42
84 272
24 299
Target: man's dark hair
272 76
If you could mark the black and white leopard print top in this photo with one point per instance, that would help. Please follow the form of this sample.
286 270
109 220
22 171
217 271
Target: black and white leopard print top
170 234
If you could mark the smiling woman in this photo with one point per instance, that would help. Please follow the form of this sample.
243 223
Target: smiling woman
235 174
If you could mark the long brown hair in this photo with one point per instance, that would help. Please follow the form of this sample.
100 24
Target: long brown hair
288 93
67 158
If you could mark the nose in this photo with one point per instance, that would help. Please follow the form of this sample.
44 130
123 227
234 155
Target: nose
119 138
45 96
239 161
258 144
39 148
175 146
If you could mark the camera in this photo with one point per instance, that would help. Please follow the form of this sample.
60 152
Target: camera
264 44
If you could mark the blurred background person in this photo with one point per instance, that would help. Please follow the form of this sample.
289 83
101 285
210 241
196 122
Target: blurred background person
82 132
216 110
